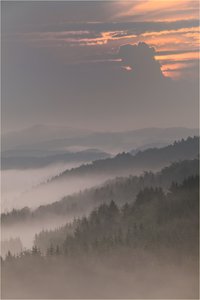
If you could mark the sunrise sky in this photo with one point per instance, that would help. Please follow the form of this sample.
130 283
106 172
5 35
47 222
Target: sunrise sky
51 48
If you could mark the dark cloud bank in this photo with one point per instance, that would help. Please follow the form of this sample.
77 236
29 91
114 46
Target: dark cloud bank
98 94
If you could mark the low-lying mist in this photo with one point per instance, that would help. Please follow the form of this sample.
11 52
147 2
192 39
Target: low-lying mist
46 194
122 275
26 231
22 188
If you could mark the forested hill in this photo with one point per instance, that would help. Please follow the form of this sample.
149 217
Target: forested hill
156 234
153 221
120 190
150 159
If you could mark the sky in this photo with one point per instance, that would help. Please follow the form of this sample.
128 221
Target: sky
100 65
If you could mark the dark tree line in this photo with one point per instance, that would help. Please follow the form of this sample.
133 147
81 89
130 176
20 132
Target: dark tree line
120 190
152 158
155 220
155 231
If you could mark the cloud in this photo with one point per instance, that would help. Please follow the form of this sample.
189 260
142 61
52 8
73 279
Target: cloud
141 59
134 27
100 95
77 42
168 52
46 79
158 10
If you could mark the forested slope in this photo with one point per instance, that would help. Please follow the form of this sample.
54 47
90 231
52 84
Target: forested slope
121 190
149 242
126 164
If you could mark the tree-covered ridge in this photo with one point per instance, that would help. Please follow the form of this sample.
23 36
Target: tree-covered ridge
155 220
116 251
150 159
121 190
49 241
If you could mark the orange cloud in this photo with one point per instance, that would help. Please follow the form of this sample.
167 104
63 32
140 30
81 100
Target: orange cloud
177 57
181 39
192 30
160 10
141 10
176 70
75 38
175 65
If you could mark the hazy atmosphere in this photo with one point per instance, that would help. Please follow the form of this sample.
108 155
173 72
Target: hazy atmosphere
100 149
79 64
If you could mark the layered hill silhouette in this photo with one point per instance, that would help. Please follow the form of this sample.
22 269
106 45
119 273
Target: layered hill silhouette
152 212
121 190
16 160
125 163
156 233
55 138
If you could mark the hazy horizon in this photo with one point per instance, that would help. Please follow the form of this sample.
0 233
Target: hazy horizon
54 125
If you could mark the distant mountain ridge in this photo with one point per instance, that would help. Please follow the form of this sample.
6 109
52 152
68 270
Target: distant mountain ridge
55 138
14 160
150 159
25 138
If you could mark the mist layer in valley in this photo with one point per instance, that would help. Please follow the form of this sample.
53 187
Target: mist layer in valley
66 182
117 276
86 223
16 183
116 251
121 190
